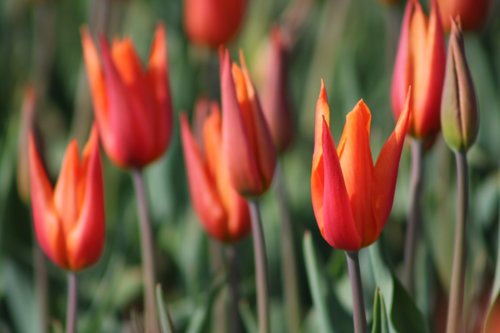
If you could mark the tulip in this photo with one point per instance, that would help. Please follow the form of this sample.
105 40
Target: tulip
275 101
213 22
351 197
223 213
420 63
132 105
473 13
69 219
246 141
459 110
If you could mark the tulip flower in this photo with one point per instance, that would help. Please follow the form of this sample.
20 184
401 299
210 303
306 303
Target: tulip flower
473 13
459 110
275 102
69 219
246 141
132 104
352 197
223 213
213 22
420 63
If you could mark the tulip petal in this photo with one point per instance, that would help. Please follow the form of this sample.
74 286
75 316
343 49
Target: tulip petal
386 168
85 241
339 228
201 186
317 173
47 225
241 164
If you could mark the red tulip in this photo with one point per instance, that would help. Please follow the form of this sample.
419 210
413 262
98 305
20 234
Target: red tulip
213 22
275 102
132 105
69 219
222 211
246 141
420 63
473 13
351 197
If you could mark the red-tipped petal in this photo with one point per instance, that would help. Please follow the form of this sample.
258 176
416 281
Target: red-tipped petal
48 228
201 186
85 241
386 168
338 222
357 167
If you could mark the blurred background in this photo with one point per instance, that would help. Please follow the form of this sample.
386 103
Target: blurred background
351 44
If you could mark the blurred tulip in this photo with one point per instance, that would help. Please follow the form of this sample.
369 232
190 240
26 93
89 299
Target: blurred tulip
275 103
351 197
69 219
132 105
246 141
473 13
459 109
420 63
223 213
213 22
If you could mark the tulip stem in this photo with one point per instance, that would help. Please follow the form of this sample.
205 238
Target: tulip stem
358 304
414 213
72 306
288 262
455 318
41 288
259 248
234 314
151 315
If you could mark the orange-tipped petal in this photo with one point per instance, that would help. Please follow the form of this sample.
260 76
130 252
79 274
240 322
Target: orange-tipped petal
201 186
339 228
85 241
386 168
242 166
317 172
357 167
48 228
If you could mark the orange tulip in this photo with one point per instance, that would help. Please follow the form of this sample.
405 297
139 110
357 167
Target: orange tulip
275 102
222 211
132 105
213 22
246 141
69 219
420 63
473 13
351 197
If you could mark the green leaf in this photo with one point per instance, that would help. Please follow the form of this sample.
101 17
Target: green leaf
404 315
492 322
167 326
248 317
380 319
200 317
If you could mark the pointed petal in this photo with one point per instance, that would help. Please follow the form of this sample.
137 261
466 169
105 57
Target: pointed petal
357 167
85 241
317 172
46 223
339 226
157 74
237 145
386 168
201 185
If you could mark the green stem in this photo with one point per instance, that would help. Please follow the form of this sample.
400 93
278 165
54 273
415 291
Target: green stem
288 261
455 318
234 281
358 304
414 213
72 306
41 287
151 315
259 248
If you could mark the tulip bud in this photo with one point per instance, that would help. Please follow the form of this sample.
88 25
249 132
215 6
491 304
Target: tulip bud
473 13
213 22
459 110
